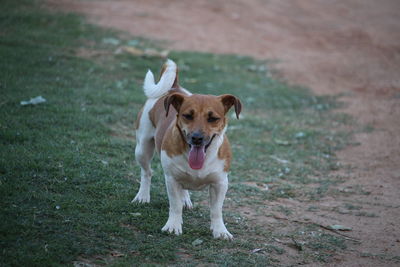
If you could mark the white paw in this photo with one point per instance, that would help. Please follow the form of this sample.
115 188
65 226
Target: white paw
141 198
187 203
173 227
220 231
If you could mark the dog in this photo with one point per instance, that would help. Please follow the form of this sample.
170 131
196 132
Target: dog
188 132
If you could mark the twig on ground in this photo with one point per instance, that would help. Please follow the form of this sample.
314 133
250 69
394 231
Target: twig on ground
322 226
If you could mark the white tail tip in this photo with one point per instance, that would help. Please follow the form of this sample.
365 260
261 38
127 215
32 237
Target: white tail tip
153 90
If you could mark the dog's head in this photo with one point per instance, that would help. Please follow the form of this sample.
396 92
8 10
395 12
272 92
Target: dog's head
200 119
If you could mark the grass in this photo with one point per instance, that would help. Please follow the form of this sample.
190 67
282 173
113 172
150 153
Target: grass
67 166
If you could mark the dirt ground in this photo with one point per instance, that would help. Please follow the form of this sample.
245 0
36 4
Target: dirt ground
335 46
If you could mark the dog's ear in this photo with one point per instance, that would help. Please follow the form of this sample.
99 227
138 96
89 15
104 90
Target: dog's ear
175 99
230 100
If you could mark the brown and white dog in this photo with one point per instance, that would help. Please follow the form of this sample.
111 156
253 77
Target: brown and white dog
191 141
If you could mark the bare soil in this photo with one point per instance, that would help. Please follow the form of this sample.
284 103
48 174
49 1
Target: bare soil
348 46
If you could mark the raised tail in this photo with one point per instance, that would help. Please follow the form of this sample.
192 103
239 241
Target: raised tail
167 80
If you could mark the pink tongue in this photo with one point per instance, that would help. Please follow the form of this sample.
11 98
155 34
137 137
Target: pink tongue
197 156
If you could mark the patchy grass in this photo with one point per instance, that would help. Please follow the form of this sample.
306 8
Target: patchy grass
67 166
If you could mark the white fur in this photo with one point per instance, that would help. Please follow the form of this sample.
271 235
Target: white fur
186 91
178 167
144 152
179 177
145 134
153 90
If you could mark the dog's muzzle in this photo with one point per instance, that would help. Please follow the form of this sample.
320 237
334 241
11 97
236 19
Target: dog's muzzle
198 144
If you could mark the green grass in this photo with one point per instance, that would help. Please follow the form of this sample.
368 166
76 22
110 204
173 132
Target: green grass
67 166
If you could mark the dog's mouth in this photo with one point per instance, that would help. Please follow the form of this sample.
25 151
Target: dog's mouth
197 154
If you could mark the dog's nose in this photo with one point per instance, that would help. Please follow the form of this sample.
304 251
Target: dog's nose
197 139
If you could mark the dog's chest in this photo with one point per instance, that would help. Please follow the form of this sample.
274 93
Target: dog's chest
178 168
190 182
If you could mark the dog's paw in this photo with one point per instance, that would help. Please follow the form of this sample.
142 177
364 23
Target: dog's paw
173 227
223 235
187 203
141 198
221 232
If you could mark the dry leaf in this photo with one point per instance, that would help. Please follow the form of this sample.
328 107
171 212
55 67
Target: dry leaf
197 242
257 250
339 227
33 101
117 254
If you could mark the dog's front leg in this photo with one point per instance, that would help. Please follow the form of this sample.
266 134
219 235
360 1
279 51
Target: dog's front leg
217 196
175 194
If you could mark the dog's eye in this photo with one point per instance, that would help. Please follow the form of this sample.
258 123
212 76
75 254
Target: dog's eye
212 119
189 117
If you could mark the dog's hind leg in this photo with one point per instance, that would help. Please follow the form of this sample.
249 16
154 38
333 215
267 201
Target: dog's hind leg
144 153
187 203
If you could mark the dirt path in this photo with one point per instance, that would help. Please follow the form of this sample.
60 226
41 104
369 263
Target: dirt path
348 46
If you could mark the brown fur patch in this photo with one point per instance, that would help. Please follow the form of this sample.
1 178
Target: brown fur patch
159 119
168 136
230 100
201 107
139 116
173 143
225 153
